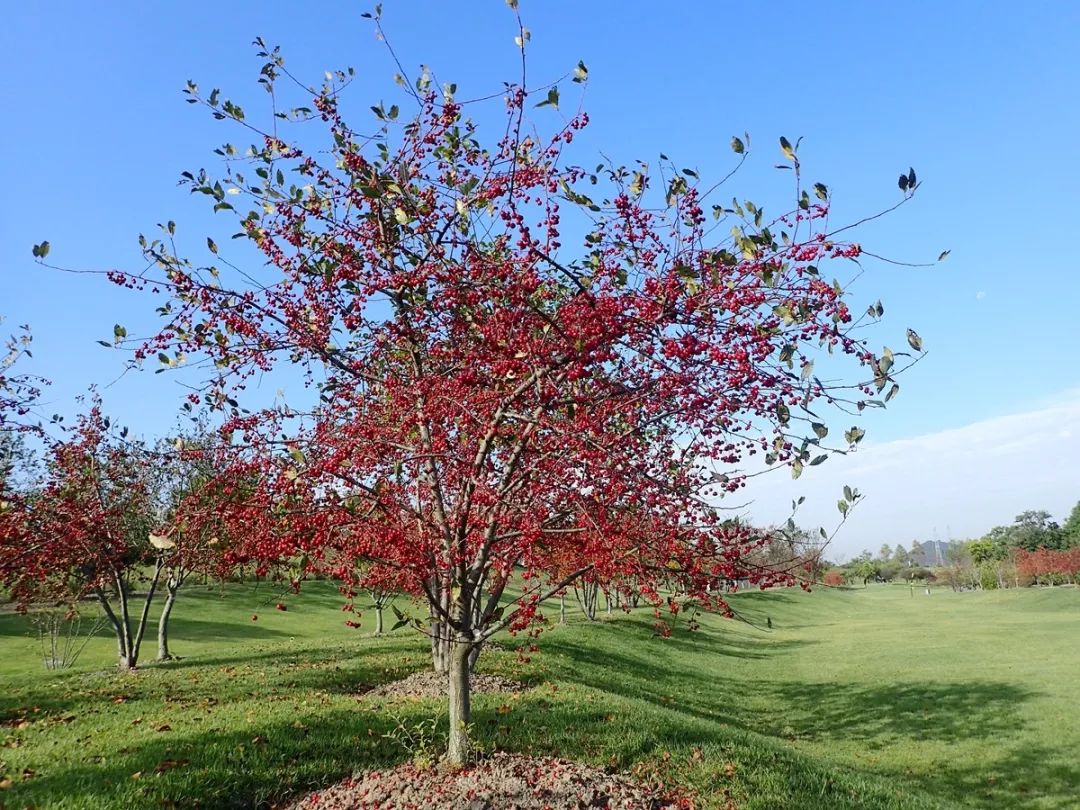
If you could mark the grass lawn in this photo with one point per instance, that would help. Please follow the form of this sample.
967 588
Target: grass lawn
856 698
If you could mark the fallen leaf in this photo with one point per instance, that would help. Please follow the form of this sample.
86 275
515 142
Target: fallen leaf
169 764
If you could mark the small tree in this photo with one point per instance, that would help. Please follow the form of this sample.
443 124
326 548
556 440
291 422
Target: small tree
85 531
192 533
864 569
525 367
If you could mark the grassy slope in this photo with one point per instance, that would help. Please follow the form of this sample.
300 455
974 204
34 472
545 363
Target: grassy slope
855 699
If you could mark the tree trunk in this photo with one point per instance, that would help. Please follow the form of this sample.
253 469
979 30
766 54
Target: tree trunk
562 608
458 749
163 653
587 596
140 630
440 646
378 619
114 622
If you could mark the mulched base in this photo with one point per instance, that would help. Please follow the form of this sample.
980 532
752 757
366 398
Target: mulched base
429 684
500 782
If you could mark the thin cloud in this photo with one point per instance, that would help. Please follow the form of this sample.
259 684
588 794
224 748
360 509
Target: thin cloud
958 482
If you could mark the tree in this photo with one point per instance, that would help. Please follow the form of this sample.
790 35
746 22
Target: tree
520 363
1036 529
19 392
192 529
989 556
865 569
1070 529
381 583
85 531
1031 530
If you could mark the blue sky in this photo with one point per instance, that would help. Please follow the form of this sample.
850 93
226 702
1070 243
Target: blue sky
979 97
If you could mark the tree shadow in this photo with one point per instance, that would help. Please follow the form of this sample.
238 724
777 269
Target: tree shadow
692 692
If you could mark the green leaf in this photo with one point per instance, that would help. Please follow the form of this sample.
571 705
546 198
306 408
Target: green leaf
401 216
737 146
119 332
821 190
854 436
943 255
796 469
818 460
843 507
914 340
41 251
581 73
211 244
786 148
819 430
164 359
552 99
892 392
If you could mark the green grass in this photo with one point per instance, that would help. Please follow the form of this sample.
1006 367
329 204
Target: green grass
859 698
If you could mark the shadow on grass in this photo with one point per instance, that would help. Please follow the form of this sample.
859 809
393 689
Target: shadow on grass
618 697
270 760
700 702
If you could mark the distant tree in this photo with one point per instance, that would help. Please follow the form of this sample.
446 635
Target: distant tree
865 569
887 571
1070 529
987 549
918 573
834 578
1035 529
1031 530
86 531
1049 566
195 490
885 552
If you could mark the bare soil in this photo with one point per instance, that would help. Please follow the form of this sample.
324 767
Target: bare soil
500 782
428 684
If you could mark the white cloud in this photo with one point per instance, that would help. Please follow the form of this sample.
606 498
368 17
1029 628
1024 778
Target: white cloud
980 295
956 482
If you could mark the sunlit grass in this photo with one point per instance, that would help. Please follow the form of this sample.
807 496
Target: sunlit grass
872 698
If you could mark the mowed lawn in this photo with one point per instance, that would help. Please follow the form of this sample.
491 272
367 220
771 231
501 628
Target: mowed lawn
855 698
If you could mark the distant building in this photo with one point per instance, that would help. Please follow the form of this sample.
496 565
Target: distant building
928 554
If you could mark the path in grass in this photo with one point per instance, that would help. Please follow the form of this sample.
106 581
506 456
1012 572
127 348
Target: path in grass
870 698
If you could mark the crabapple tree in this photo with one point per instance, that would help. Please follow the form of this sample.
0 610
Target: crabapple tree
524 367
84 531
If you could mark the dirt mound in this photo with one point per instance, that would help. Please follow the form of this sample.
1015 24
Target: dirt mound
428 684
500 782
